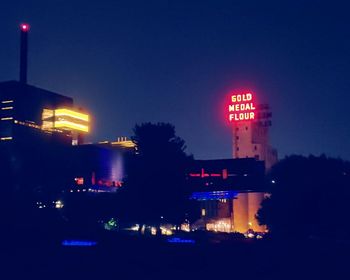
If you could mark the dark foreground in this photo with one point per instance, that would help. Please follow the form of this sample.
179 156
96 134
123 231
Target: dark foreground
118 256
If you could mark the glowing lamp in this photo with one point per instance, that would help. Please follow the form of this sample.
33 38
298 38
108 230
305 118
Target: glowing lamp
24 27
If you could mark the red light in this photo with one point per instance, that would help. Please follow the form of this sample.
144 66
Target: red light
24 27
79 181
224 174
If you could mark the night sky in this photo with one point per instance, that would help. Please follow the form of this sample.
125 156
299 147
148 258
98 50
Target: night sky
129 62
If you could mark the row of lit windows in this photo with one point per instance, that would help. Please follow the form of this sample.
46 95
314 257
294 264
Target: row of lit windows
65 119
7 106
246 128
255 148
27 123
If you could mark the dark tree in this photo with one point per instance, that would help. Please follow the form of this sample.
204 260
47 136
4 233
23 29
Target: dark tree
86 211
309 197
156 183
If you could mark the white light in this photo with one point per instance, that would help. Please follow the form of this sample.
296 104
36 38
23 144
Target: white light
135 227
58 204
153 230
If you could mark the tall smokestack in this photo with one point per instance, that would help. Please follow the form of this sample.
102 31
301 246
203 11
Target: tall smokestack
24 27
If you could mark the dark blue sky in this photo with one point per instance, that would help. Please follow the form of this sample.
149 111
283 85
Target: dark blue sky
175 61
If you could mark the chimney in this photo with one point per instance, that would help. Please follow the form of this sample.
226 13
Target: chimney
24 27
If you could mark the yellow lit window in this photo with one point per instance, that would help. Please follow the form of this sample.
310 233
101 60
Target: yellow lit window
71 113
71 125
5 138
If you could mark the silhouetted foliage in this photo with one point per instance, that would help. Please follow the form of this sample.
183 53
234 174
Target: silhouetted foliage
87 210
309 197
156 183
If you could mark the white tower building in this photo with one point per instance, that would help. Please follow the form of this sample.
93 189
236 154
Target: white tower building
250 123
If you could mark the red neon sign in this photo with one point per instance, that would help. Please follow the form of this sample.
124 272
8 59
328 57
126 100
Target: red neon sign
203 174
241 107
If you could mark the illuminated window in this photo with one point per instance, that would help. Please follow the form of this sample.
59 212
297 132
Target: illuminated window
124 144
5 138
68 125
6 118
65 119
7 108
6 101
71 113
79 181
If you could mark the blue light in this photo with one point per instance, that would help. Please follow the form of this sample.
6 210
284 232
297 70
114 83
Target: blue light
80 243
215 195
180 240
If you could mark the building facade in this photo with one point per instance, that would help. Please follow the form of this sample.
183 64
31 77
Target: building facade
236 187
34 154
223 189
251 137
101 167
250 140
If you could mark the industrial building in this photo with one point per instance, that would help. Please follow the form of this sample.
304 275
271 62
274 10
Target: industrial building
101 167
42 144
42 149
230 191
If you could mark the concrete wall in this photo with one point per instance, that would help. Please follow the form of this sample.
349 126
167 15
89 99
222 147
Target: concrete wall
245 207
